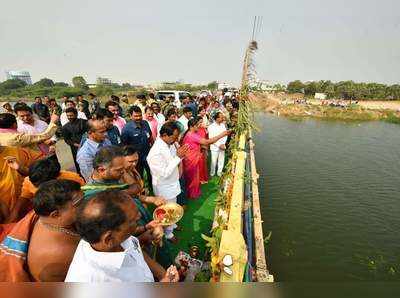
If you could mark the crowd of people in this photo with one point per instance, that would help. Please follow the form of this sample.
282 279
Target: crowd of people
338 103
91 222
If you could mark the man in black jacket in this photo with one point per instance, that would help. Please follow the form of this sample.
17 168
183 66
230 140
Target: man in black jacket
73 131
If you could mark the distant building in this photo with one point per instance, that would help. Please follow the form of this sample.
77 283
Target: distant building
20 75
321 96
223 86
103 81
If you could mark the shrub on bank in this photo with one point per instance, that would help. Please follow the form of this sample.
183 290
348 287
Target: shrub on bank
392 118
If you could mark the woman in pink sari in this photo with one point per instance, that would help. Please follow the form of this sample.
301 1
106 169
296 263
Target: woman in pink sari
191 163
203 133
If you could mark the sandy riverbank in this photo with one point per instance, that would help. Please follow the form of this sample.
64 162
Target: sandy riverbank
364 111
371 104
381 105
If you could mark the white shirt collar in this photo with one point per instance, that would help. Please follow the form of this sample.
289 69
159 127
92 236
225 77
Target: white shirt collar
110 259
160 142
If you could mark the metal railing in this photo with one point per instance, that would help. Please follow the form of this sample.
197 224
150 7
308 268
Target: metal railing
242 240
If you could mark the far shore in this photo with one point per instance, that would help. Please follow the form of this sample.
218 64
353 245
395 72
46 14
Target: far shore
373 104
362 111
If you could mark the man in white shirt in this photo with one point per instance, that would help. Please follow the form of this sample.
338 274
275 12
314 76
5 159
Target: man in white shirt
70 104
31 124
184 119
164 165
157 113
107 251
218 148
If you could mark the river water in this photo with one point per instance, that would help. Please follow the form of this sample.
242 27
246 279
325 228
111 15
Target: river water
330 194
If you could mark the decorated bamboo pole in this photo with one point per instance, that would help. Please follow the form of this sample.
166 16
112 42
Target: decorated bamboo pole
227 242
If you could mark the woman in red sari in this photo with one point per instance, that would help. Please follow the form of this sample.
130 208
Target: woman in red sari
203 133
191 164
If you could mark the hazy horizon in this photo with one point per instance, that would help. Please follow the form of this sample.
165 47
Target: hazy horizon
199 42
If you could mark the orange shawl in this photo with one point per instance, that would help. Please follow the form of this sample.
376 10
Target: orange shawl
14 250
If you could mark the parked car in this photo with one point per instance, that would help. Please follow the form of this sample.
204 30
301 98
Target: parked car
176 94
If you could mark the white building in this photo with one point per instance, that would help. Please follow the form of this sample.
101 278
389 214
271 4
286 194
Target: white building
103 81
321 96
20 75
222 85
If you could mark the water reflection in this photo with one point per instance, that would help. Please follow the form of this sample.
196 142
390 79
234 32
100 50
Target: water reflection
330 195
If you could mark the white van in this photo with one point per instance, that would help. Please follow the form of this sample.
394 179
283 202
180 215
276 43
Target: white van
176 94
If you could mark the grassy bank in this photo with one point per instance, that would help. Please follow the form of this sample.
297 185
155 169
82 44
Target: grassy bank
301 111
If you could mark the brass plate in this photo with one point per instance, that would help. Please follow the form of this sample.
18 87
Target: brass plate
174 213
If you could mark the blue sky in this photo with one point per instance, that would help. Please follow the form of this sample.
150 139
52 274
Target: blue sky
201 41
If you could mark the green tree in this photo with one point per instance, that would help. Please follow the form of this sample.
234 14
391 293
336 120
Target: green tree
212 86
8 86
115 86
379 91
68 91
126 86
330 90
60 84
394 92
310 88
13 84
45 82
37 91
79 82
279 87
103 90
295 87
344 89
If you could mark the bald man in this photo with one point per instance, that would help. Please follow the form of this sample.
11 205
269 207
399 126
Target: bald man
108 252
96 139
